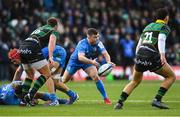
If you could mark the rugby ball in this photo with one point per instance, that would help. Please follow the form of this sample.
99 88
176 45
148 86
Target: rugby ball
105 69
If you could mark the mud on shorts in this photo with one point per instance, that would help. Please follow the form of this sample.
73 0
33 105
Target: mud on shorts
147 58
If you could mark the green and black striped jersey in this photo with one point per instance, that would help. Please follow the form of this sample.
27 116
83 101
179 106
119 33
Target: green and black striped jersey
151 32
43 34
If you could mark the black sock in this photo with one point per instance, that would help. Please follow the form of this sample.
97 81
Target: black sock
161 93
123 97
26 86
38 84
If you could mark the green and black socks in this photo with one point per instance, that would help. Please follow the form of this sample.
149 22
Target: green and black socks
123 97
160 94
38 84
26 86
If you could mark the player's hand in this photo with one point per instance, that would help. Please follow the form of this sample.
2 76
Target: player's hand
51 61
95 63
113 64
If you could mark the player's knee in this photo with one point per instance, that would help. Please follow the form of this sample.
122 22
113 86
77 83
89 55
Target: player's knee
55 83
30 76
64 80
173 77
95 77
47 76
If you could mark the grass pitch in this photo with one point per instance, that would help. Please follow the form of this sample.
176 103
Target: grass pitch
91 104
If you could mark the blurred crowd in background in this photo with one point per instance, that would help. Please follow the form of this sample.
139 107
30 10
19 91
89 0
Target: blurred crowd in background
119 21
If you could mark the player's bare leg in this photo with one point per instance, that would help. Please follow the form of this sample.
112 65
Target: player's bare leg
26 86
167 72
169 76
56 71
73 96
45 74
28 81
137 78
92 72
60 86
45 71
66 77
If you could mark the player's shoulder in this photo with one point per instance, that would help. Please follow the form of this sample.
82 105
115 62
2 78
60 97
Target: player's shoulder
59 48
148 27
83 42
166 28
46 27
99 43
163 26
153 27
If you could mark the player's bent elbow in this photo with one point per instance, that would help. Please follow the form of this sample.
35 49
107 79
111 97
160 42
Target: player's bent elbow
80 58
64 81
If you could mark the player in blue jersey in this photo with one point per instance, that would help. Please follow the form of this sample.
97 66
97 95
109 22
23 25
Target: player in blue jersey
59 56
84 57
10 94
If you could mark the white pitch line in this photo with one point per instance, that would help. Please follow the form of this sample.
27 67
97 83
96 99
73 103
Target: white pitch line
178 101
92 116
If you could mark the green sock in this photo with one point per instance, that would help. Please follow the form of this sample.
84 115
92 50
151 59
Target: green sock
123 97
161 93
26 86
38 84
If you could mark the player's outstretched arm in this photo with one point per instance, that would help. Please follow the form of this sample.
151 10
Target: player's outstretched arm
107 57
18 73
51 46
82 58
161 46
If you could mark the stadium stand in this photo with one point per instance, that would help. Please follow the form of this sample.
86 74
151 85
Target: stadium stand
115 19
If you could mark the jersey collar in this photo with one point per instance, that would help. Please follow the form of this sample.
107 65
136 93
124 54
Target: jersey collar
160 21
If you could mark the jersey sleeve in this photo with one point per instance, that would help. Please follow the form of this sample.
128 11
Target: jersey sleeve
81 48
101 47
56 34
165 30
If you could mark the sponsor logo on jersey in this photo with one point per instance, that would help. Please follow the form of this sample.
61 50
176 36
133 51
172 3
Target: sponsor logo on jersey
25 51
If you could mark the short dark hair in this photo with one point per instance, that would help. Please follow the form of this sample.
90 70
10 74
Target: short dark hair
92 31
52 21
161 13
